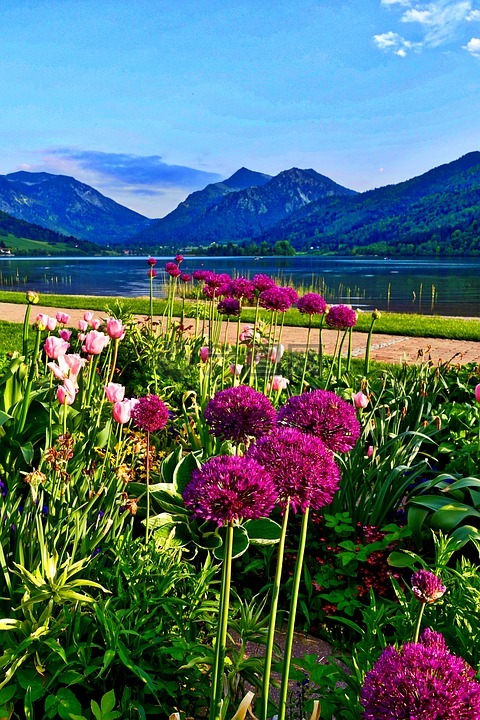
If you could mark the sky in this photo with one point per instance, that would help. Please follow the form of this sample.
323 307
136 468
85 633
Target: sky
149 100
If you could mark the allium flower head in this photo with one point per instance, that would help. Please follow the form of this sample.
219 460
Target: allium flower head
262 282
301 466
200 275
421 681
241 288
341 317
152 273
172 269
275 298
312 304
151 261
477 393
230 488
150 413
179 258
229 306
292 294
426 586
185 277
238 413
324 414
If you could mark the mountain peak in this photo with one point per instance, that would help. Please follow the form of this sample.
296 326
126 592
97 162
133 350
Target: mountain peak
245 178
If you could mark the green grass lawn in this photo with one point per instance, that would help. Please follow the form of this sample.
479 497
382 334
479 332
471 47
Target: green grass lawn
24 245
411 325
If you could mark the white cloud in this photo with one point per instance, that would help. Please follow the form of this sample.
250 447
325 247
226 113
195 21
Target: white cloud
439 21
473 47
393 42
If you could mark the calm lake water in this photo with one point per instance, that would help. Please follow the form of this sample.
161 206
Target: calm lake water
430 286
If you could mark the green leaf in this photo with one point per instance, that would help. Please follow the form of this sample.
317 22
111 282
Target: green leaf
27 452
182 474
263 531
108 702
240 542
4 417
400 559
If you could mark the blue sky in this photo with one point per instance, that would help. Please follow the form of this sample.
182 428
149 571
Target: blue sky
148 100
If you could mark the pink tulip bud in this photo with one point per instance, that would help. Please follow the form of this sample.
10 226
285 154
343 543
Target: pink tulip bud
115 329
82 325
42 321
62 318
122 411
477 393
114 392
55 346
51 324
370 451
66 392
276 353
204 354
360 400
95 324
88 316
236 370
95 342
279 383
65 334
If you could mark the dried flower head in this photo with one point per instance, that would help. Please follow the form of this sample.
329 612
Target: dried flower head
421 680
239 413
324 414
230 488
341 317
426 586
312 304
150 413
301 466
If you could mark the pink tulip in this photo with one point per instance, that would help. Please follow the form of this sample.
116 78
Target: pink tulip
82 325
236 370
74 362
246 334
95 324
66 392
62 318
122 411
55 346
204 354
95 342
88 316
279 383
65 334
67 366
360 400
81 337
477 393
115 329
42 320
51 323
276 353
370 451
114 392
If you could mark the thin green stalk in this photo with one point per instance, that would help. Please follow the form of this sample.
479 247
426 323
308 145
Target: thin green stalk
349 353
306 353
282 706
267 668
28 389
333 360
375 316
147 480
320 348
151 274
339 356
220 648
419 623
26 327
252 357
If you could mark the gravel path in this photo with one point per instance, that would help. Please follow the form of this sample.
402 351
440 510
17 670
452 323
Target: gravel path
384 348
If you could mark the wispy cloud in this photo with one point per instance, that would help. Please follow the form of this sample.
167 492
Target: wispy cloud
437 22
145 173
473 47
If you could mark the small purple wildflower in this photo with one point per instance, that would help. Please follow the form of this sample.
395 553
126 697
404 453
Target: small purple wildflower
228 488
150 413
426 586
341 317
324 414
275 298
301 466
421 680
312 304
239 413
229 306
172 269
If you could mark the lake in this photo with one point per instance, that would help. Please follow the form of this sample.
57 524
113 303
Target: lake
430 285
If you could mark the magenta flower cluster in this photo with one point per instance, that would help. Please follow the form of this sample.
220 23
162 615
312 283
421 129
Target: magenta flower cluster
303 469
421 681
172 269
230 488
341 317
239 413
312 304
229 306
150 413
241 288
275 298
426 586
324 414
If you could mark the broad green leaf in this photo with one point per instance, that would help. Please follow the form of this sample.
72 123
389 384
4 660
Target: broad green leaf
240 542
263 531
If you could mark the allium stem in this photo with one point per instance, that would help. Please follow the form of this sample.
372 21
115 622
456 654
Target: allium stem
367 349
419 623
151 301
147 482
267 668
282 706
252 360
306 352
320 347
349 353
221 644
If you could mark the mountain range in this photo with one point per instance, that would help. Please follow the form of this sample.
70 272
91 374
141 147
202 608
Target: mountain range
437 212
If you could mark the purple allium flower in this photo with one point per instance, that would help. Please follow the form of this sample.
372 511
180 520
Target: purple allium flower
151 261
312 304
262 282
238 413
185 277
426 586
152 273
229 488
301 466
150 413
200 275
229 306
421 680
172 269
324 414
292 294
179 258
241 288
341 317
275 298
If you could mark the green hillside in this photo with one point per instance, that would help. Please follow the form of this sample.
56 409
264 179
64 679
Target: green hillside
23 238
